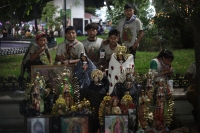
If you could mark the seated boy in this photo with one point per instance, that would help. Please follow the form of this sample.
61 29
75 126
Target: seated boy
34 52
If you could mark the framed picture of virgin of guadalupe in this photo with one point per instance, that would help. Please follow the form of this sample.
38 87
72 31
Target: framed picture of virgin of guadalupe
116 123
75 124
50 71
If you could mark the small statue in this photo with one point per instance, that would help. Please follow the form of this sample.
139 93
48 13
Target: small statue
130 86
36 98
59 108
82 71
65 73
106 104
149 77
87 109
115 108
119 62
80 108
68 98
127 103
107 108
125 84
67 92
97 76
160 105
38 92
142 121
96 91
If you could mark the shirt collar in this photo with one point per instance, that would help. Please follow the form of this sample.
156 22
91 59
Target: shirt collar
67 42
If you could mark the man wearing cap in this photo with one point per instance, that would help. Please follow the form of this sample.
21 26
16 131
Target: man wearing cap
34 52
70 50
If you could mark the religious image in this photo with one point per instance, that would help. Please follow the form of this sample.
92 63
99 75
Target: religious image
116 124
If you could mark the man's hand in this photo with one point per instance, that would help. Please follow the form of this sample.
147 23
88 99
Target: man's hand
168 71
135 46
85 67
105 42
61 57
171 69
50 62
41 49
66 62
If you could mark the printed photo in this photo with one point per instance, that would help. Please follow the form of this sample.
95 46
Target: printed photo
37 125
76 124
116 124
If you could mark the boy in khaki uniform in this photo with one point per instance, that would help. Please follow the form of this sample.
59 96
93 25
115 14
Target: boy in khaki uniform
70 50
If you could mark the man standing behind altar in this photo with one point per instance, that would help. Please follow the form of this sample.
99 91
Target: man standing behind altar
130 28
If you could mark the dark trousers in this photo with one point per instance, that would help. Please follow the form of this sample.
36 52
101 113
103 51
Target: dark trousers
133 52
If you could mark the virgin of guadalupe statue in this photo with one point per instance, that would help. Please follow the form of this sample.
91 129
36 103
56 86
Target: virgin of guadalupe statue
38 92
66 86
149 83
40 82
117 65
161 104
142 108
36 98
82 71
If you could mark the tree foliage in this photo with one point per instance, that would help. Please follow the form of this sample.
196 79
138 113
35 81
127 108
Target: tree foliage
90 10
49 14
20 9
118 11
172 16
14 6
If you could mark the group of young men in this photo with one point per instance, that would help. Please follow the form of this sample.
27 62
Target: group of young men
128 31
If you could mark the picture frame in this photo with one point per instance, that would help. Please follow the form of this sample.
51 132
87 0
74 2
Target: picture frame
38 124
50 71
79 123
118 122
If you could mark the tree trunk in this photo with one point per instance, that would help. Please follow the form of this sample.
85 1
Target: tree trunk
197 56
196 37
108 5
